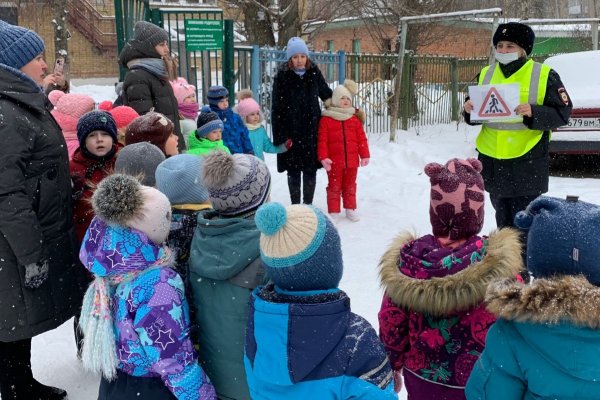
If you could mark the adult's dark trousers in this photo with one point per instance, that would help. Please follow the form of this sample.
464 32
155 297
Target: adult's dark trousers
302 182
127 387
506 209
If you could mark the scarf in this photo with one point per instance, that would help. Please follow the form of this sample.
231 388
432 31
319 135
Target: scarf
99 353
300 71
339 113
156 66
252 127
189 110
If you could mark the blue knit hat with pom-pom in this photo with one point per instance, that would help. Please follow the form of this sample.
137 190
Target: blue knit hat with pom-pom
299 247
563 237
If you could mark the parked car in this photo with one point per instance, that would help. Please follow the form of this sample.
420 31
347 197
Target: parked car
579 72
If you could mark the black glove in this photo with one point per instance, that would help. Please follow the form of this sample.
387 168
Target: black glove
36 274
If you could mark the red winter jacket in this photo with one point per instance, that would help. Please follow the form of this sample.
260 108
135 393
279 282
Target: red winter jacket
342 141
86 173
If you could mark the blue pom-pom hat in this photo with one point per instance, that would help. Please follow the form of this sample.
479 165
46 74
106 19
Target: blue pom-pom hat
300 247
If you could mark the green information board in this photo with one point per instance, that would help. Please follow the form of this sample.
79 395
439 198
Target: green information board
202 34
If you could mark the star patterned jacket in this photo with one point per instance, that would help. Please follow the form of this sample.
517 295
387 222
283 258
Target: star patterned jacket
149 309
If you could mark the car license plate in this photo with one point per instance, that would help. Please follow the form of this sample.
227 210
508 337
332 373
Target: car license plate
583 124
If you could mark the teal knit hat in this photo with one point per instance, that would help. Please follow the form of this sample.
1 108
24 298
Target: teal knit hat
300 247
18 46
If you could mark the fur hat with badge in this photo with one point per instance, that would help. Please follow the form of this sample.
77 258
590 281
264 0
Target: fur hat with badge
152 127
300 247
517 33
180 179
457 198
140 160
562 237
238 184
95 121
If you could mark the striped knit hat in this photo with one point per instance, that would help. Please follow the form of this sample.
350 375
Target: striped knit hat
299 247
207 122
18 46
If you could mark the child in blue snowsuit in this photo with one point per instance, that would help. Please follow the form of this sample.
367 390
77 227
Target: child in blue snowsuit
302 340
235 134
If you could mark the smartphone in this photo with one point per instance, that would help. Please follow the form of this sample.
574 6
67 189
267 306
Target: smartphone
59 65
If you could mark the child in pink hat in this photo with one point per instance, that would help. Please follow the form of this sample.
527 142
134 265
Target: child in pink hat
68 108
250 112
187 105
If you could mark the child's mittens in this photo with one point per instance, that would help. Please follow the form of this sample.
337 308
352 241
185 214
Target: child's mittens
364 162
360 114
397 381
288 144
326 163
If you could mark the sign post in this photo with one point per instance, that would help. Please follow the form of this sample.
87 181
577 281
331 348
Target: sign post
201 34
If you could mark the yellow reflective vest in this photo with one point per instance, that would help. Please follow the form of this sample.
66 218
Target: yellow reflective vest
505 140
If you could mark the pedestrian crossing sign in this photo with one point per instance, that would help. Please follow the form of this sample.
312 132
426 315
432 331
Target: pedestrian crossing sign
495 102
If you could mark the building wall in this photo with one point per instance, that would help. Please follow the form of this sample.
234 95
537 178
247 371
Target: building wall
86 60
451 41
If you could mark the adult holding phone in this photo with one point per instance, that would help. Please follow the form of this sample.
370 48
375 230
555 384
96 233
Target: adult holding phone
57 80
515 155
40 285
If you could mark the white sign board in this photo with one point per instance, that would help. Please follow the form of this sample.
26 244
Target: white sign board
495 102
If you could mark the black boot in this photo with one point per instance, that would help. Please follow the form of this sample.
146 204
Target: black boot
294 182
309 184
43 392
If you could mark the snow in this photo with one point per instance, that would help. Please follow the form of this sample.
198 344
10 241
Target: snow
578 71
393 195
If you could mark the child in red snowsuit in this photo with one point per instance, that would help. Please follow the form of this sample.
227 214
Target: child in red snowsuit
342 146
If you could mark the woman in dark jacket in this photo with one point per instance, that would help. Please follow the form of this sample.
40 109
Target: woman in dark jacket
146 86
296 111
40 285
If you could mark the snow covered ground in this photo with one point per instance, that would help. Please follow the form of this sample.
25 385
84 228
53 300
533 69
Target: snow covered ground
393 195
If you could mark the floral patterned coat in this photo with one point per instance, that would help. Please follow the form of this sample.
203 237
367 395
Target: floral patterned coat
432 321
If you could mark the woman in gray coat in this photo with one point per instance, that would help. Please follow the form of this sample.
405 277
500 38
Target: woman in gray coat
40 285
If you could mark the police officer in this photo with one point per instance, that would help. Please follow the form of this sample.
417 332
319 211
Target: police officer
515 155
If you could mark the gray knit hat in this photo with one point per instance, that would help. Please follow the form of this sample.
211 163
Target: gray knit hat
147 32
180 178
140 160
18 45
237 183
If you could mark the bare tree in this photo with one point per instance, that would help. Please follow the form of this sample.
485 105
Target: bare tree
61 33
273 22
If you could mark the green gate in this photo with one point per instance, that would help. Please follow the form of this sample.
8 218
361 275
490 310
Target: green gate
228 67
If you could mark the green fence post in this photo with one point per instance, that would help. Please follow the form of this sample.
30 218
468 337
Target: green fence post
227 71
120 34
454 87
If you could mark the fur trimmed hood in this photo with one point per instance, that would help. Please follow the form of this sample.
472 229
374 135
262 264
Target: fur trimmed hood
444 295
569 299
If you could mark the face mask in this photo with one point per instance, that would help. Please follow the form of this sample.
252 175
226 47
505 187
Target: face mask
506 58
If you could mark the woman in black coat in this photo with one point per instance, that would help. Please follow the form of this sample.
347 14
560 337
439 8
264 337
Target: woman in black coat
40 284
295 115
146 86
